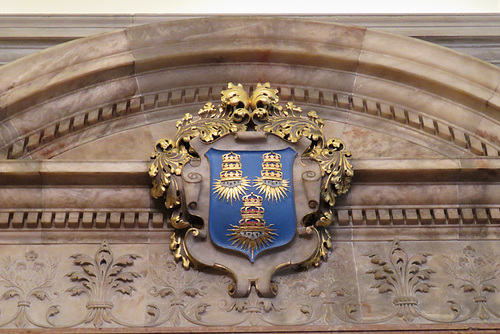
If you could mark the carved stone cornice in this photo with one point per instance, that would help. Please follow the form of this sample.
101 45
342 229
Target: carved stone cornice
344 218
134 173
54 172
102 195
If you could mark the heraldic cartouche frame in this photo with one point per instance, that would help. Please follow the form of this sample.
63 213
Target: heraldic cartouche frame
222 141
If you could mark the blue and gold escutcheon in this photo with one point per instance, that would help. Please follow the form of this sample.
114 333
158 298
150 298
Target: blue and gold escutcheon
252 206
230 193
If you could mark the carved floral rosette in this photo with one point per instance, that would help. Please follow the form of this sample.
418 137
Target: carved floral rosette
240 113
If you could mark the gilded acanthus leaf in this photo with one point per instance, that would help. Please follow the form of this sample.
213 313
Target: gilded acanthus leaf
208 129
264 95
292 128
337 169
208 110
171 155
168 160
235 96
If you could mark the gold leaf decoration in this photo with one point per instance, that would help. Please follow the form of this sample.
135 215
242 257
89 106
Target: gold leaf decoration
337 169
258 112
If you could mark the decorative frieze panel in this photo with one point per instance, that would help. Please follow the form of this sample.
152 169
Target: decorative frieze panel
108 285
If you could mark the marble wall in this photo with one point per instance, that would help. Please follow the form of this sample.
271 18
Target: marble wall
85 248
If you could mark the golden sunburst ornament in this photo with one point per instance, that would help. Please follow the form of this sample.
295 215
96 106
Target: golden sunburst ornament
251 240
271 182
232 184
252 232
231 190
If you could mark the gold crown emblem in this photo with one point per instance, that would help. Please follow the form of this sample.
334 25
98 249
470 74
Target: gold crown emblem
249 212
271 166
231 167
252 225
271 157
252 200
231 157
272 175
231 175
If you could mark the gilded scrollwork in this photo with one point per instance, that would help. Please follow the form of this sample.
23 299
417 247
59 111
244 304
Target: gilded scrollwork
238 112
322 251
171 155
337 171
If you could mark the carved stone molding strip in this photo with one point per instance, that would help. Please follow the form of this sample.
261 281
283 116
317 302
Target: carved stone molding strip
59 219
470 328
62 27
83 173
401 116
343 217
436 216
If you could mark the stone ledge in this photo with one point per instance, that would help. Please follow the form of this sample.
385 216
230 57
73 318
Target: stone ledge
416 25
58 172
352 329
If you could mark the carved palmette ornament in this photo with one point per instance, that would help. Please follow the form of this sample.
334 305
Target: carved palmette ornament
249 185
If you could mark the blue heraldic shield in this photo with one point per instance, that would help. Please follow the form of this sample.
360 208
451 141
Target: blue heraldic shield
251 200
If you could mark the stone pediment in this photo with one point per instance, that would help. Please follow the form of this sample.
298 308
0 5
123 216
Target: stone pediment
79 121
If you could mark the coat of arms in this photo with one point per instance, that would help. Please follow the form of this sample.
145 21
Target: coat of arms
250 185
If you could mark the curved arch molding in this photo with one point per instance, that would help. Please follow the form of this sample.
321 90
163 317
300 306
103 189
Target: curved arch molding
94 87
